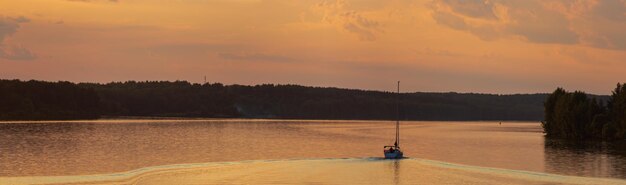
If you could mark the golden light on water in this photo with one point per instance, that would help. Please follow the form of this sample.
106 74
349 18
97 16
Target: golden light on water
319 171
290 152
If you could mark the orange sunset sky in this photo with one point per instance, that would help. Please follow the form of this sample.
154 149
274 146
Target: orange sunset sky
490 46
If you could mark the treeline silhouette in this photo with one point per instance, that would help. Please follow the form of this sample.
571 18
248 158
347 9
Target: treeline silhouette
578 117
36 100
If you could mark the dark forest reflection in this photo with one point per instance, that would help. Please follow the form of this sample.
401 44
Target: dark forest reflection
598 159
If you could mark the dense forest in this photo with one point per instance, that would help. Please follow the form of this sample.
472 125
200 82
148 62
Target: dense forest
37 100
578 117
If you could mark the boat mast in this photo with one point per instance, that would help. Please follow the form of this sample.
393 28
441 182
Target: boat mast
398 116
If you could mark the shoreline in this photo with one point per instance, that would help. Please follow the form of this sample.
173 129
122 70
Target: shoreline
157 118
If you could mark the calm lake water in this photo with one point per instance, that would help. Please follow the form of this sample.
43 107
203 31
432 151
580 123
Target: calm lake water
295 151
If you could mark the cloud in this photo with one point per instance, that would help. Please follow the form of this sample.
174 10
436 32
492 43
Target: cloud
13 52
590 23
450 20
542 27
491 20
352 21
485 32
601 24
472 8
8 27
613 10
255 57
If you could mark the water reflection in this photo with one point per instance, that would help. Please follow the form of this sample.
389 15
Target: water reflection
395 167
96 147
597 159
66 148
29 145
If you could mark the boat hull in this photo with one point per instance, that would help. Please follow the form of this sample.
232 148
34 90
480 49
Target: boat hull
396 154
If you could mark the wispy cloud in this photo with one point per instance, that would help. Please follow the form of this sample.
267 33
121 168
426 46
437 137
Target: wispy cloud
473 8
337 13
16 52
8 27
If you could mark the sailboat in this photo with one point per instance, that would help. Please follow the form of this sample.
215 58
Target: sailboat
394 152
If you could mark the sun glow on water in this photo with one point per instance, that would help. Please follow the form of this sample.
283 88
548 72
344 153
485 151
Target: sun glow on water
320 171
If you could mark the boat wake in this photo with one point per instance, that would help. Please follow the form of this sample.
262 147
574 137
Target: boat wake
372 170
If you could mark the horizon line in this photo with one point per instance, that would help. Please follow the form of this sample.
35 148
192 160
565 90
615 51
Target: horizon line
285 84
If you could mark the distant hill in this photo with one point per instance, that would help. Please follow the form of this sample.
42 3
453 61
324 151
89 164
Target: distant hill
36 100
